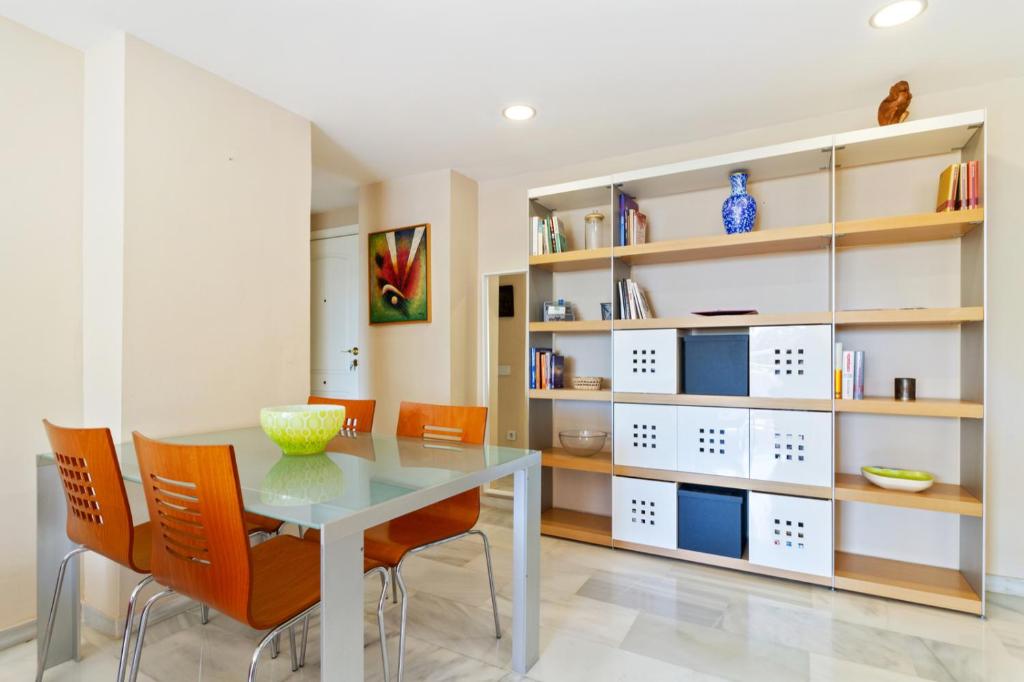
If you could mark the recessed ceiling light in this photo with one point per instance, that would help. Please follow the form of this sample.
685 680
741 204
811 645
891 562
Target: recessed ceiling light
896 13
519 112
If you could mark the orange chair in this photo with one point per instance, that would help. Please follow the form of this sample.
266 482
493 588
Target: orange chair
99 518
451 519
200 548
358 413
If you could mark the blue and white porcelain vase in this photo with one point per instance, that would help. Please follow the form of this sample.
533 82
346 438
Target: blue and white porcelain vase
739 211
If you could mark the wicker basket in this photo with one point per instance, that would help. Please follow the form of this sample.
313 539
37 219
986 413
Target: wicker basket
586 383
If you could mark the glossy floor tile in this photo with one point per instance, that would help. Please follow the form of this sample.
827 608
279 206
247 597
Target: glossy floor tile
605 615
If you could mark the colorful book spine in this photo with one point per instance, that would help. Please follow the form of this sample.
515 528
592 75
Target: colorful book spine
533 368
858 375
837 365
847 375
558 372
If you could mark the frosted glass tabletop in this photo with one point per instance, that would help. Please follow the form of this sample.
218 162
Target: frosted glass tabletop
359 473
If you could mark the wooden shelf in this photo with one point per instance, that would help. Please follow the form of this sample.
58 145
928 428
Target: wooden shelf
570 261
931 585
576 525
820 492
574 326
758 242
906 229
908 316
813 404
557 458
941 497
713 321
913 408
741 564
603 395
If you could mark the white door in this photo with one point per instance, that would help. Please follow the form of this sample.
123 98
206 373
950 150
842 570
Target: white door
334 356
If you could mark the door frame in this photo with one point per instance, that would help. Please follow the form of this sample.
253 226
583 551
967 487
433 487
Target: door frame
485 353
331 232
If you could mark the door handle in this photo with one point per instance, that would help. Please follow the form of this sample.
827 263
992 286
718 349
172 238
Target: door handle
354 350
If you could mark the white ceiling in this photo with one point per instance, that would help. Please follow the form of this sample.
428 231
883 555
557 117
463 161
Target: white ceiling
403 86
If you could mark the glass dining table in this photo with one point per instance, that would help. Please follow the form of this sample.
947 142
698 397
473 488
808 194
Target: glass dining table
360 481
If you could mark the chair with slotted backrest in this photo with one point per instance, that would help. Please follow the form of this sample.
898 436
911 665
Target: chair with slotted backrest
358 413
98 516
450 519
201 548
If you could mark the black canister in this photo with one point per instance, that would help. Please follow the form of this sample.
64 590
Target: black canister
905 388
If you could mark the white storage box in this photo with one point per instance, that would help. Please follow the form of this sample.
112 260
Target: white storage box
646 361
713 440
791 362
791 447
645 436
644 512
790 533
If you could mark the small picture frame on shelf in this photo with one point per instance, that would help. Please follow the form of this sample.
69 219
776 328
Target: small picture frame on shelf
558 311
606 311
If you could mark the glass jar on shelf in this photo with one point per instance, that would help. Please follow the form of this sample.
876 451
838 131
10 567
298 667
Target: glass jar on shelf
593 229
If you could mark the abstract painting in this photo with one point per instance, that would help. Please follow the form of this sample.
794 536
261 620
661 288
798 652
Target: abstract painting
400 275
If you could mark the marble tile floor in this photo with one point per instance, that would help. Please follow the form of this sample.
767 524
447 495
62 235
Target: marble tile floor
605 615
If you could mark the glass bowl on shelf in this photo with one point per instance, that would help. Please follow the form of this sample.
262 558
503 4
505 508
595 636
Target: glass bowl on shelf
582 443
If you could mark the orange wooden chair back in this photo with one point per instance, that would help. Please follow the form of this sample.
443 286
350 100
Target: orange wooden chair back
98 513
200 543
452 424
358 413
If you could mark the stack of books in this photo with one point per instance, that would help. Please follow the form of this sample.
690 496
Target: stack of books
549 236
959 187
547 369
849 374
632 223
633 303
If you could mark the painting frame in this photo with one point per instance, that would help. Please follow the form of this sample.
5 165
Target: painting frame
378 244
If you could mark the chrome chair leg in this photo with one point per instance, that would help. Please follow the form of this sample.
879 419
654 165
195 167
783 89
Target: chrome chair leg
271 636
394 585
490 579
141 638
294 649
405 614
44 646
204 614
305 637
275 635
122 665
385 580
275 646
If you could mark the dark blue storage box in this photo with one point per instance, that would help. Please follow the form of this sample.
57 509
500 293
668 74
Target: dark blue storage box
713 520
716 364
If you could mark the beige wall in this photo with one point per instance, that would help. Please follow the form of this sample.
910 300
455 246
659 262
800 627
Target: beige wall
336 217
435 361
216 249
40 282
512 353
195 258
503 215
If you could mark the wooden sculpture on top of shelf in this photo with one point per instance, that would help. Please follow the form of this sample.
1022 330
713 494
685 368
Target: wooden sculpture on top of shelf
894 108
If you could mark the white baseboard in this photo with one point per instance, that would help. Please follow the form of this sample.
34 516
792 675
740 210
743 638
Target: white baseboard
167 607
1005 585
17 634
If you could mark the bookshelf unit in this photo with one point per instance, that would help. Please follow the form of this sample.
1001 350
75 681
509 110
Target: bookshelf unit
845 238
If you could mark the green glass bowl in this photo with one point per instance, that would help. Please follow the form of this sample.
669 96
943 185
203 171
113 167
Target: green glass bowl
907 480
302 429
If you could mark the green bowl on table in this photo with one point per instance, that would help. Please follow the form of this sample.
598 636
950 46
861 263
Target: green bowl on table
302 429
